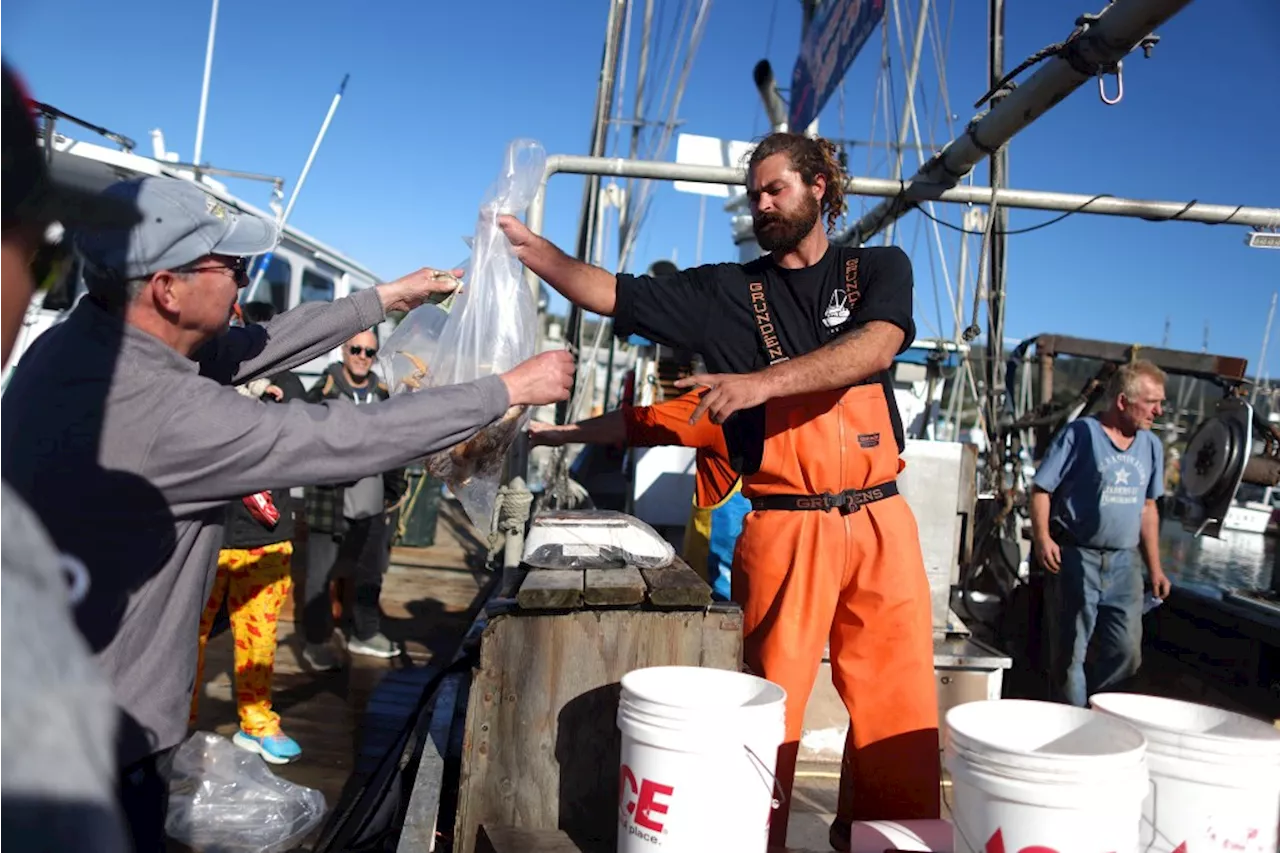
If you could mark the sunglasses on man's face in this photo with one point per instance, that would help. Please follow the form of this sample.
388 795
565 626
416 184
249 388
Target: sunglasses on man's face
368 351
238 267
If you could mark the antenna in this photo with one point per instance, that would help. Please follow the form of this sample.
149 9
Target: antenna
297 188
204 88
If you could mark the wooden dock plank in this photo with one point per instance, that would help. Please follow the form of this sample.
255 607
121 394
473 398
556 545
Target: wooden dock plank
677 586
613 587
551 589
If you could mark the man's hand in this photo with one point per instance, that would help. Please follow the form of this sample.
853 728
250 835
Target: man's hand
1049 554
542 434
545 378
518 234
1160 584
405 294
726 393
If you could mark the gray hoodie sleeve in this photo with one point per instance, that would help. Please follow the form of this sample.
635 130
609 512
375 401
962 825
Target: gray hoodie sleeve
218 445
294 337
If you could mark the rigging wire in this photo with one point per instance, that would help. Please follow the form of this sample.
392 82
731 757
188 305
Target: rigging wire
1014 231
669 125
620 95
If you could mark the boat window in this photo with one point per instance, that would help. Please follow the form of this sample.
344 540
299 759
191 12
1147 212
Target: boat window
316 288
279 276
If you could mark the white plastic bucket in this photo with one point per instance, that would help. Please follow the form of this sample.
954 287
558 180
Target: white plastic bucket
699 747
1215 775
1043 776
909 836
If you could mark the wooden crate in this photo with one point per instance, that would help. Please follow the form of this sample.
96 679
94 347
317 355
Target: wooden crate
541 748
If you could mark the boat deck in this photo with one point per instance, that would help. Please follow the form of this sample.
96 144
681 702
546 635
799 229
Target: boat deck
426 597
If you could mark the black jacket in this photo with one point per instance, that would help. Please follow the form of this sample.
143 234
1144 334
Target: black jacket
242 530
324 503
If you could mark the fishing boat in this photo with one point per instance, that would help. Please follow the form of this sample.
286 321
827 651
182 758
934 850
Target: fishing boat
301 269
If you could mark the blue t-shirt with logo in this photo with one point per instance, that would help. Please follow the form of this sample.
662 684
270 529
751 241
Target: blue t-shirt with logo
1098 489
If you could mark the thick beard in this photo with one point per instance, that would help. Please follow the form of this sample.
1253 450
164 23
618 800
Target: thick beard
786 232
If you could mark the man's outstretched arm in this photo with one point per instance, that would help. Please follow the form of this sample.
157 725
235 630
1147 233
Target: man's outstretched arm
609 428
843 362
586 286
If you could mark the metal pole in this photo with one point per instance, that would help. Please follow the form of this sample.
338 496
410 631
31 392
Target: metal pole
1098 204
1262 357
297 188
909 104
996 277
1118 29
588 220
204 88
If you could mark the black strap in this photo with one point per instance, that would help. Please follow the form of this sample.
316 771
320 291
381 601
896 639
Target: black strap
848 501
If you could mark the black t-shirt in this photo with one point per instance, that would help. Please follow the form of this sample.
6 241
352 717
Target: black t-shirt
743 317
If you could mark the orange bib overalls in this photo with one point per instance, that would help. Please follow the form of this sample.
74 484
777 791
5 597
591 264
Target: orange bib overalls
855 580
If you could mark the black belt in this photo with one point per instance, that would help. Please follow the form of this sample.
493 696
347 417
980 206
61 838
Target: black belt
848 501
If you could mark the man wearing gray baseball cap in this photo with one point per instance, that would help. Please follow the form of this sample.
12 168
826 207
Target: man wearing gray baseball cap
120 429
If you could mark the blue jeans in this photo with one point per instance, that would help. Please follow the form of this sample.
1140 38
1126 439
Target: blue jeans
1098 597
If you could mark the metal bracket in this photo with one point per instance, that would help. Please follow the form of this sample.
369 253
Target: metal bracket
1102 85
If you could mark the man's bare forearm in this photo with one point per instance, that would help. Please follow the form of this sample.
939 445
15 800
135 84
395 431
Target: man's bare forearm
841 363
584 285
1149 537
609 428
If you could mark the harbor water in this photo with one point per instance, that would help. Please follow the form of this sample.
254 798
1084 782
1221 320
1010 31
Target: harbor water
1235 561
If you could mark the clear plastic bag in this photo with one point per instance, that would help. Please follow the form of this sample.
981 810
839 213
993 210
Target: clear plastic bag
490 329
594 539
406 359
225 800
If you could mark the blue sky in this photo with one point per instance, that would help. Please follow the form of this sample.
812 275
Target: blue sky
438 89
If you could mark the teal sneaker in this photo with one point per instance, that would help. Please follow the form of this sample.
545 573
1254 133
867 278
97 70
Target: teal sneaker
278 748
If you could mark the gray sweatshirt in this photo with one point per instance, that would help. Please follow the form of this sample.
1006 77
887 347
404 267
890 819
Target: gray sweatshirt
128 451
58 772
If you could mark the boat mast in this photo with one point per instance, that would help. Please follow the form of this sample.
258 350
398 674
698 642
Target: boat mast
996 265
587 222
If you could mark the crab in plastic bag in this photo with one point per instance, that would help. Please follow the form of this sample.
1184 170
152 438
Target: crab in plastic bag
490 328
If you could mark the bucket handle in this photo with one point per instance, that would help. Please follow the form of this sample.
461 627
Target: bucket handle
778 795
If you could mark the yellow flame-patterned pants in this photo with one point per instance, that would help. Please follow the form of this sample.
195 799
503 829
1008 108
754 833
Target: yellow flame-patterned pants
256 582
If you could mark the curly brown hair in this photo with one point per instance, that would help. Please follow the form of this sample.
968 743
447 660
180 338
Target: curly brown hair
810 157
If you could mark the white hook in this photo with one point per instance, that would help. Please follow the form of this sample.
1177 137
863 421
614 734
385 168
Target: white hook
1102 85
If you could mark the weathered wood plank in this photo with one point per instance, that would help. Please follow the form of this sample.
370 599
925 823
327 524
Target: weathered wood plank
677 586
551 589
422 813
613 587
511 839
542 746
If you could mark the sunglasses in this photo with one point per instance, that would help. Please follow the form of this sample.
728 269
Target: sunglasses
238 267
368 351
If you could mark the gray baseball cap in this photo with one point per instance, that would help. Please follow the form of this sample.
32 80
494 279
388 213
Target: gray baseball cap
181 223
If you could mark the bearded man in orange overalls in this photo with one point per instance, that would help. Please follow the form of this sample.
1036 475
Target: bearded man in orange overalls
801 341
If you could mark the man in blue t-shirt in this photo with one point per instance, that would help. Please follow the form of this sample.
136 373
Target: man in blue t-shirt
1094 502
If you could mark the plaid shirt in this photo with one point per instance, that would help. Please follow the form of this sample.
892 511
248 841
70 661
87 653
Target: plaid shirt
324 503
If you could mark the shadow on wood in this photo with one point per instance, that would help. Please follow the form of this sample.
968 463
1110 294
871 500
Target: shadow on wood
589 749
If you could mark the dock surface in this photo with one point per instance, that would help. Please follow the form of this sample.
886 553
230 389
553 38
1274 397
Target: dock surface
426 596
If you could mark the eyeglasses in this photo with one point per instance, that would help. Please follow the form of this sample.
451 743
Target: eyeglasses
368 351
238 267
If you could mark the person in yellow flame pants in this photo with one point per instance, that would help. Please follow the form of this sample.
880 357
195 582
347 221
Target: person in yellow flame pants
256 582
255 578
